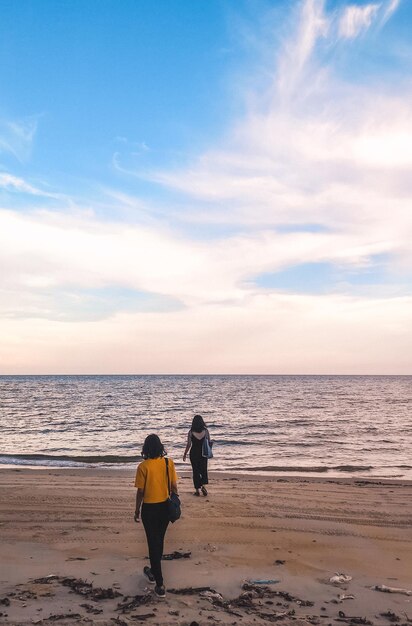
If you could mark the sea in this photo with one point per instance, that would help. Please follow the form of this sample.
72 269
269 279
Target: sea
358 426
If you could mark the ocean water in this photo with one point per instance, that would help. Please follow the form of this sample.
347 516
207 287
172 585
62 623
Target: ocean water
333 425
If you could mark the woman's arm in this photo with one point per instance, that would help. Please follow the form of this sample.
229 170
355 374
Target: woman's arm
188 446
173 488
139 498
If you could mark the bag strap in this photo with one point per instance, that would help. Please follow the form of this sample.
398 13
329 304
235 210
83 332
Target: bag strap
167 472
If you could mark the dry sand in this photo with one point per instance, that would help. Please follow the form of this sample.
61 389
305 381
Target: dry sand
300 531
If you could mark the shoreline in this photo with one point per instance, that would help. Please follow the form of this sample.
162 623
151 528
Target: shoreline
327 476
76 524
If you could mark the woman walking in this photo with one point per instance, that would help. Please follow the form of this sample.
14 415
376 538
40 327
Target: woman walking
153 490
195 441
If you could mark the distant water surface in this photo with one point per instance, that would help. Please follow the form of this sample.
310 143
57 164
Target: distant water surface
339 425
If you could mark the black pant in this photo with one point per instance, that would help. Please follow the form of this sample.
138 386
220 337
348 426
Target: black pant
199 468
155 520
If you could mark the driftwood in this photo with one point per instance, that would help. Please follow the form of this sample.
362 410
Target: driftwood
385 589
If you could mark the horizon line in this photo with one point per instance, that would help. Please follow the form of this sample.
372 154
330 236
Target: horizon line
205 374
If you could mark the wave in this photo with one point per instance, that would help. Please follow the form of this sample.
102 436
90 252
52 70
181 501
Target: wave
353 468
67 460
319 469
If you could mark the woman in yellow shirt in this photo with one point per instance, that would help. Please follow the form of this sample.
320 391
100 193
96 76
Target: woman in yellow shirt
153 490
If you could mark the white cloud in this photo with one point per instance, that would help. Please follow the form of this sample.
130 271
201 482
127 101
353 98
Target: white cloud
330 152
16 137
319 150
14 183
389 9
273 334
296 52
356 19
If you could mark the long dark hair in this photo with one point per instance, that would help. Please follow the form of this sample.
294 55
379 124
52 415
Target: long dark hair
198 424
153 447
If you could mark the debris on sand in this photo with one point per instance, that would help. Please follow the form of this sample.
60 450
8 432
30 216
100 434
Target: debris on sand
351 619
5 601
190 591
250 600
261 581
143 616
176 555
210 548
134 603
91 609
343 596
118 621
263 591
211 595
340 579
82 587
385 589
56 618
392 617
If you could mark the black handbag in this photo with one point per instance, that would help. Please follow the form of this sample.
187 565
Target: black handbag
173 501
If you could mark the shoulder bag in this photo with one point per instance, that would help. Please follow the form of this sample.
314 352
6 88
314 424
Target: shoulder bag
207 447
173 501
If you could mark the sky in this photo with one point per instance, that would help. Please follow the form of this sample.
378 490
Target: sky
210 187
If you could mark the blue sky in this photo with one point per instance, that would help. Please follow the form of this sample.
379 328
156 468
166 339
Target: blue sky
93 75
205 186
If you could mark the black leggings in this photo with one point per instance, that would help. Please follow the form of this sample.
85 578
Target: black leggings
155 518
199 467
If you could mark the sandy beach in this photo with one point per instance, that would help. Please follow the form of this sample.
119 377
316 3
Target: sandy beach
77 525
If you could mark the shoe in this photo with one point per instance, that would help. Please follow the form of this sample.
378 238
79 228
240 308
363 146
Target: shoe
204 490
160 591
148 573
196 493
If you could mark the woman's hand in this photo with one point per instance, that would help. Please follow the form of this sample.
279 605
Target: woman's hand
184 458
137 516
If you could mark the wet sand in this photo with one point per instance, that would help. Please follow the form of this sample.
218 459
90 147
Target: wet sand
78 525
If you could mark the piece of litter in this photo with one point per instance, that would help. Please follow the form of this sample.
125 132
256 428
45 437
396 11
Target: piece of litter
210 548
384 588
339 578
343 596
211 595
262 581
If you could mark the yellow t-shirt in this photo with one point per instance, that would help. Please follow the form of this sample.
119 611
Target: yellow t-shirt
151 477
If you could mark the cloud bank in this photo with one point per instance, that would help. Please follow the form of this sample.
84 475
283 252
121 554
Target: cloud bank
316 171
